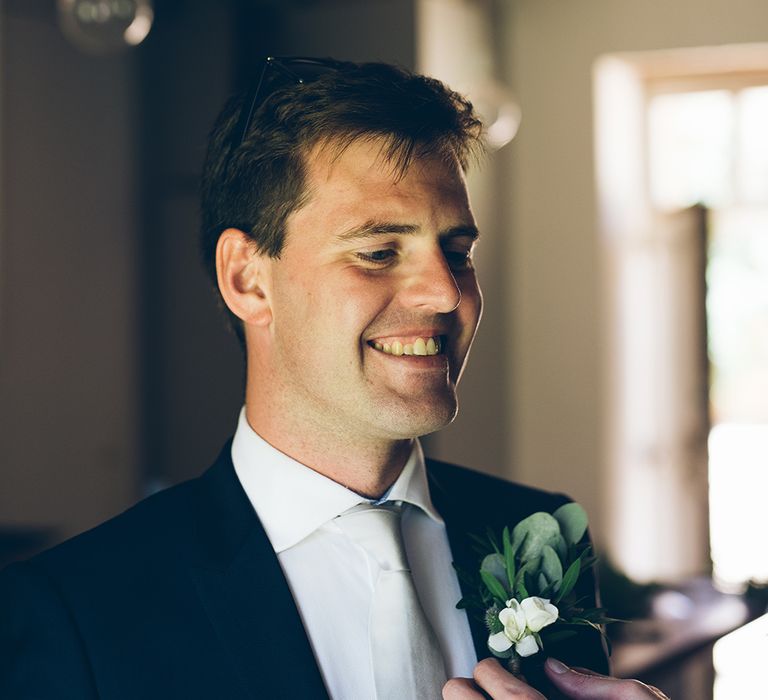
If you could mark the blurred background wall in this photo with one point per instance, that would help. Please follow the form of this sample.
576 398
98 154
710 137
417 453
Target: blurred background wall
117 375
70 252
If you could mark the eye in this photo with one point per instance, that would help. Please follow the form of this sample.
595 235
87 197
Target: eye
377 257
459 259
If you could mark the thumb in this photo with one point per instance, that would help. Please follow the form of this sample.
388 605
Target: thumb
585 686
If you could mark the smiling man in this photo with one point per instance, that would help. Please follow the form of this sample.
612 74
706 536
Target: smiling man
314 558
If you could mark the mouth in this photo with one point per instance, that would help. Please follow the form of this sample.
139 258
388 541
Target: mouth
417 346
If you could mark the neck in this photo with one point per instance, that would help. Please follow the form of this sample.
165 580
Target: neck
365 467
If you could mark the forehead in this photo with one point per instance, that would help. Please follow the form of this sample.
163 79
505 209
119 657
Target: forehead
359 176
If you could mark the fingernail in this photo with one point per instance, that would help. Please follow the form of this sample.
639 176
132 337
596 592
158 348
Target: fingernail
556 666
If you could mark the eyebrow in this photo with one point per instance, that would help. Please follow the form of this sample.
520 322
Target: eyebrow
371 229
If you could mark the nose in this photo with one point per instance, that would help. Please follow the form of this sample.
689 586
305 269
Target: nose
431 284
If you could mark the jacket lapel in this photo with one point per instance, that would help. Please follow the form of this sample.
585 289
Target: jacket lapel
245 594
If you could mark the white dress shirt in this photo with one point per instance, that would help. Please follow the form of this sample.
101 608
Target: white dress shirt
332 578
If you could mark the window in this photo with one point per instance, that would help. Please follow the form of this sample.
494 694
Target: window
687 317
711 147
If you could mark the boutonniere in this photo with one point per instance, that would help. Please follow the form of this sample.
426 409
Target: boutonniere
525 587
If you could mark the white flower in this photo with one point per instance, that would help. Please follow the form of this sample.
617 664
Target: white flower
539 613
527 646
499 642
513 619
521 623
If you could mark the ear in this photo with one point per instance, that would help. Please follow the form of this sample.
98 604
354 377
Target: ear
243 277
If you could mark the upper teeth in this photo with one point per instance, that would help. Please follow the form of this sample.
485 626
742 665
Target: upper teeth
420 346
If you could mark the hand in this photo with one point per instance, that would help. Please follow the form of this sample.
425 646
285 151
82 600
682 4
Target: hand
491 680
582 684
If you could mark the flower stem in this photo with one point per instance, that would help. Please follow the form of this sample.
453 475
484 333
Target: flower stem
514 666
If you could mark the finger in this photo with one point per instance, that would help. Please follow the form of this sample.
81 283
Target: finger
502 685
588 686
461 689
587 671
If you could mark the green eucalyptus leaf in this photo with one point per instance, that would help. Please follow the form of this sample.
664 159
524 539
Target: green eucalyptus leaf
518 540
561 547
572 519
532 533
493 585
533 565
495 565
542 584
550 565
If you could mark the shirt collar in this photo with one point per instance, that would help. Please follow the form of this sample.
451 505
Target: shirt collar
292 500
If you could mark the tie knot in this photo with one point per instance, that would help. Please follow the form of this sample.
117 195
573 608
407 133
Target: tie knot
377 530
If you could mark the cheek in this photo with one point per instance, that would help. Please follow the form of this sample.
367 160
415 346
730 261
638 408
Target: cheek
361 298
354 313
336 305
336 312
472 302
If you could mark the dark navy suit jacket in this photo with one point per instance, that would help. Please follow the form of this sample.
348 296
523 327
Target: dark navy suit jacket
182 596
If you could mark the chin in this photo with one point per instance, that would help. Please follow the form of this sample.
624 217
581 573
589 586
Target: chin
415 421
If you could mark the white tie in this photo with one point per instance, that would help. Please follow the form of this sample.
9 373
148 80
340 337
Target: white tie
407 662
